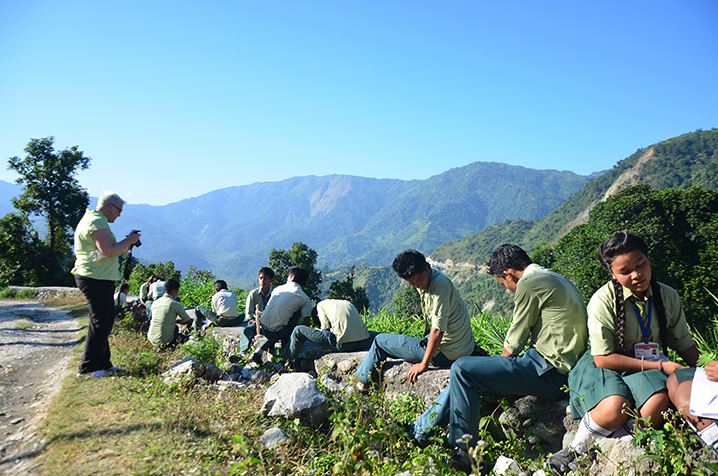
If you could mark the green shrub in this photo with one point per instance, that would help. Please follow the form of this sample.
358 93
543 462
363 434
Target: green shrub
7 293
207 350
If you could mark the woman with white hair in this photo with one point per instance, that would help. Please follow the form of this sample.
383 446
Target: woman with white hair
96 270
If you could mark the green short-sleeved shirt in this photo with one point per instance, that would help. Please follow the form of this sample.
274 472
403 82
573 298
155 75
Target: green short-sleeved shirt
549 310
602 321
165 311
443 306
89 262
255 299
343 319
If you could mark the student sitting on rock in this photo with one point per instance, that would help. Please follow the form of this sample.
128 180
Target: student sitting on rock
224 311
287 305
450 337
342 330
166 311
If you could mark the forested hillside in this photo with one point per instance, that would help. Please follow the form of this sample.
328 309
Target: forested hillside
346 219
689 160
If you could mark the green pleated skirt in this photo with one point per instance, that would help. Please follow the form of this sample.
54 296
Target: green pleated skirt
589 385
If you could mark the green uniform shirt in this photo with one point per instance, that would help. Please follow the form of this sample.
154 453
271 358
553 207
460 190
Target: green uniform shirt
165 311
549 310
602 321
89 262
343 319
443 306
256 298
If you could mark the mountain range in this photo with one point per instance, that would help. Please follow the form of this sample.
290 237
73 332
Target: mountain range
456 218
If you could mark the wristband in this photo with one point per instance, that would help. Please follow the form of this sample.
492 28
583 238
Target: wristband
660 365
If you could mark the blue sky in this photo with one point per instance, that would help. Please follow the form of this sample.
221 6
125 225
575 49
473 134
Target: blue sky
173 99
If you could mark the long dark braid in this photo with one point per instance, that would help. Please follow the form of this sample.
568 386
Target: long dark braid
619 244
620 316
661 313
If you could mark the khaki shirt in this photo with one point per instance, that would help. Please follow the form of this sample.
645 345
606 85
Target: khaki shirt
165 311
343 319
443 306
224 304
286 300
549 310
602 321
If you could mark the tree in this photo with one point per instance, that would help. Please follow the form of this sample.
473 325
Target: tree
345 289
407 303
140 274
18 243
680 228
50 188
298 255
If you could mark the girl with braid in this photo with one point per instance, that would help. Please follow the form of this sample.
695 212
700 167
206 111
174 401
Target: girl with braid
632 320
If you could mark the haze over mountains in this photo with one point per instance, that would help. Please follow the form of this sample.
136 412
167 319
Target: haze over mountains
457 217
347 219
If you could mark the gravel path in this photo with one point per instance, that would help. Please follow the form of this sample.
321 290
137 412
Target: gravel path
35 352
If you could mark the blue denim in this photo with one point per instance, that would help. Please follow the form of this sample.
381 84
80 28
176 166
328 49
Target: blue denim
324 339
395 346
459 405
270 337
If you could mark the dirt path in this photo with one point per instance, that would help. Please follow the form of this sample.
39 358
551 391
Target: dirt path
35 352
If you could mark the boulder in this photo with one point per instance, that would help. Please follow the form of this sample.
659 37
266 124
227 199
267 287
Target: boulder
186 368
273 437
296 395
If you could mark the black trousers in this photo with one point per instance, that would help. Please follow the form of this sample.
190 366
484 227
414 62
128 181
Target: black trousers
99 294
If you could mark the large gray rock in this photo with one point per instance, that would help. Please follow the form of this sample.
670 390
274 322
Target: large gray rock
186 368
541 419
428 385
274 437
296 395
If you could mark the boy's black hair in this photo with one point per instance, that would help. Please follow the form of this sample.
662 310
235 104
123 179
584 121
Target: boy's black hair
123 286
171 285
408 263
301 275
267 271
507 256
220 284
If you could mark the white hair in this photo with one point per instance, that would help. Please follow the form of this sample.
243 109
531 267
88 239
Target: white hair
109 198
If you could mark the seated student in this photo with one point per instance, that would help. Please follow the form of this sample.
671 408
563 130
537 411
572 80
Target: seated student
632 321
121 296
145 290
157 288
549 312
287 305
166 311
450 337
342 330
224 311
258 298
680 387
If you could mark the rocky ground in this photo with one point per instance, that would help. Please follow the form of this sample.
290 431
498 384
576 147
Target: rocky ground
35 352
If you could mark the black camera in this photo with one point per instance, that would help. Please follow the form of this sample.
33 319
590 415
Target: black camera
139 243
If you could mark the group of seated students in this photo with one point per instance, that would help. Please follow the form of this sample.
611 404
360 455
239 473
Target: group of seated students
630 323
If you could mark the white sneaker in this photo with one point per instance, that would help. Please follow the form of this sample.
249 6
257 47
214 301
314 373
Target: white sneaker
96 374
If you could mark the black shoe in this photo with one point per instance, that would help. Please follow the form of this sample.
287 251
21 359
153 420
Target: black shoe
256 357
563 461
460 461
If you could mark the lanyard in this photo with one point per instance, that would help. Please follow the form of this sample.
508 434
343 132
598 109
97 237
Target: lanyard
264 300
645 329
